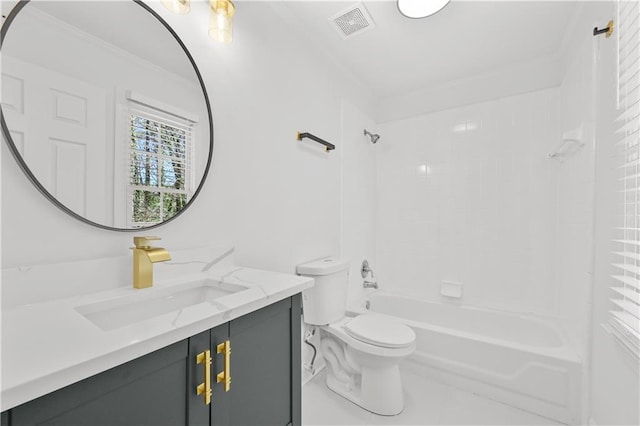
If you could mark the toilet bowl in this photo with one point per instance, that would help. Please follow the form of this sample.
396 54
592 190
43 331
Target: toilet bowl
362 361
362 352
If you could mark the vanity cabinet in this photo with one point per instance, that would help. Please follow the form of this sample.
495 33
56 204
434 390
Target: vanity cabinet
160 388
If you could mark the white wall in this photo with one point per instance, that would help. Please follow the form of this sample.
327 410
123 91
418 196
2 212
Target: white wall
468 195
575 187
587 96
575 180
357 212
276 199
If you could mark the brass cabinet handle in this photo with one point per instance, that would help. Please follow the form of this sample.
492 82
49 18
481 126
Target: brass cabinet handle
205 388
225 376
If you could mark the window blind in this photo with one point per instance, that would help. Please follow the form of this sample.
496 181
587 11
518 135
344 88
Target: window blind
625 312
159 176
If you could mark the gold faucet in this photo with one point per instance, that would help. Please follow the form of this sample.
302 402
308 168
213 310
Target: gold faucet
144 256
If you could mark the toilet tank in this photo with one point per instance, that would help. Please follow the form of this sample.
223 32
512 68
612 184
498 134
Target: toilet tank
326 301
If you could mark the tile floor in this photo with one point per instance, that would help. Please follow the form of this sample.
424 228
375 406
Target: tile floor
427 402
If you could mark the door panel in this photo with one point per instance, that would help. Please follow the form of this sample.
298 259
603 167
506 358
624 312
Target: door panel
146 391
261 367
59 126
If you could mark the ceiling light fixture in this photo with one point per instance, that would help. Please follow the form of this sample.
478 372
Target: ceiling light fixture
221 20
420 8
180 7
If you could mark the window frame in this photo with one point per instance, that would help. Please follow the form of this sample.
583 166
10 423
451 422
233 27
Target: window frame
138 105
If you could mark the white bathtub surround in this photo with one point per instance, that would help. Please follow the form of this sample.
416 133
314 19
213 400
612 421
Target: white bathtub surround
362 352
467 195
521 360
78 347
358 198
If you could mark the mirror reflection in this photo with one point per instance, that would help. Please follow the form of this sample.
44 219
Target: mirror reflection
105 110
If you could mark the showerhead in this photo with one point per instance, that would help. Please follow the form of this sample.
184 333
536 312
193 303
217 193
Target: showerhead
374 137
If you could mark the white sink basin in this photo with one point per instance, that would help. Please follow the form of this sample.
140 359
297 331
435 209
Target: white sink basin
149 303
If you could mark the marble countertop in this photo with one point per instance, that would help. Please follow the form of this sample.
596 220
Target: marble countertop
49 344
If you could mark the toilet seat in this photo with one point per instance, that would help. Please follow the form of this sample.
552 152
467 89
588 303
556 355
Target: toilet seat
338 330
380 331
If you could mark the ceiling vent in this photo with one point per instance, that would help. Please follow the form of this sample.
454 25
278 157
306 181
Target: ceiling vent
352 21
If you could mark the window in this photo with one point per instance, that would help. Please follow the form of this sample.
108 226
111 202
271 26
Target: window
160 166
625 318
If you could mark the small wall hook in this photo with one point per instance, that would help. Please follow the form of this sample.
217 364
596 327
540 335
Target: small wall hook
608 30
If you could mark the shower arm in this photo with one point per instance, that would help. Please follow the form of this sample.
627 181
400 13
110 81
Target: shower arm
373 136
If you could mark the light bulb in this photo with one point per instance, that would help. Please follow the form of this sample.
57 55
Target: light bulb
221 21
180 7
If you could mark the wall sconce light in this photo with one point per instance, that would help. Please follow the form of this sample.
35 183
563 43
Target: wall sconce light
180 7
420 8
221 20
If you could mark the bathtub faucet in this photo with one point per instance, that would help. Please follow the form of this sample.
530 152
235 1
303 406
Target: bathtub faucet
370 284
365 269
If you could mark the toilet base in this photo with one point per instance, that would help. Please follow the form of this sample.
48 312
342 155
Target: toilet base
379 390
367 375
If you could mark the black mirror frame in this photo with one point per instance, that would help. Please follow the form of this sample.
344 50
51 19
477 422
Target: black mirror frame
16 154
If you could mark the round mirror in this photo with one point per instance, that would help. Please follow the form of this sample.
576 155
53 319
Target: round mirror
105 111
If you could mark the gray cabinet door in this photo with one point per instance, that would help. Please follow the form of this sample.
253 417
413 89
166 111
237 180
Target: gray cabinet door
265 367
150 390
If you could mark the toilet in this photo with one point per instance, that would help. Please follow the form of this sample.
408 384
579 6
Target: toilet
362 352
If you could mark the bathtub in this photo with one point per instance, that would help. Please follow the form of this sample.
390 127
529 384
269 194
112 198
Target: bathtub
520 360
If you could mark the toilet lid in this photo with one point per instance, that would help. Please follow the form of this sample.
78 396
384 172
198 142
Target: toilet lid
380 331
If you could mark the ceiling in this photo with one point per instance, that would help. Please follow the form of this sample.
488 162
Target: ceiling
120 24
465 39
399 56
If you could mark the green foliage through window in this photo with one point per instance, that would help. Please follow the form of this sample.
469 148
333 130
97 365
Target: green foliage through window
158 169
